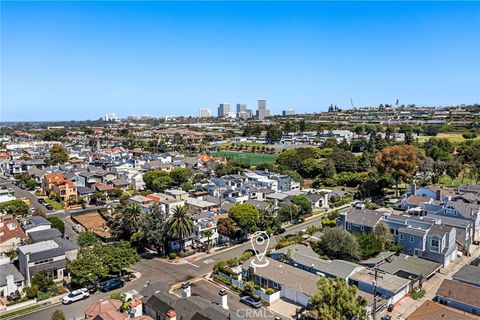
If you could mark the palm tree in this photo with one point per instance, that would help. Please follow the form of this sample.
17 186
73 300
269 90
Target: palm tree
208 233
180 224
131 219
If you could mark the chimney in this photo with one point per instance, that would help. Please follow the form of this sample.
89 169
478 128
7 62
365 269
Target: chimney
223 299
413 189
135 308
171 315
11 287
439 194
186 290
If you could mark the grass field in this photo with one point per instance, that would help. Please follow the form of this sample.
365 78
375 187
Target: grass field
453 137
246 157
55 204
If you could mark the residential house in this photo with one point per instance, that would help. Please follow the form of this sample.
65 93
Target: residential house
202 222
11 279
48 256
11 235
359 220
166 202
431 310
161 305
35 223
57 183
197 205
469 274
44 235
459 295
389 287
303 257
473 188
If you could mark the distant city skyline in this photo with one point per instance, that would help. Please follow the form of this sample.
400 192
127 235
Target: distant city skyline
83 60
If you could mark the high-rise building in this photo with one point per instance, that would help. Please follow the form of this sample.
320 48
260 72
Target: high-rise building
262 111
241 107
223 109
288 112
110 117
205 113
243 112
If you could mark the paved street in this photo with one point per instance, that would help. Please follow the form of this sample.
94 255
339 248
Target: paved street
155 270
20 193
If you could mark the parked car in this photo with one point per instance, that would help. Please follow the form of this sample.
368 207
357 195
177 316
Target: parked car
279 231
31 209
93 287
249 301
111 284
76 295
49 206
41 200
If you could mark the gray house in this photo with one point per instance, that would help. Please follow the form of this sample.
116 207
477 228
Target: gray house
358 220
460 296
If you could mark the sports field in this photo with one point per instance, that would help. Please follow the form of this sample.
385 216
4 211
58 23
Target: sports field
453 137
246 157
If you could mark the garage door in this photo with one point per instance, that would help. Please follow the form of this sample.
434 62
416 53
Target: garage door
290 294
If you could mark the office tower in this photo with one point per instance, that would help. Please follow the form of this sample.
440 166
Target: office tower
241 107
288 112
262 111
204 113
223 109
111 117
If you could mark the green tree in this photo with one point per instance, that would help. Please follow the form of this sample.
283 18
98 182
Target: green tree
180 224
157 180
155 229
338 244
310 168
288 213
382 232
131 217
336 300
58 154
57 223
303 203
43 282
398 161
245 216
16 207
226 226
180 176
274 133
343 160
86 239
370 245
58 315
293 158
208 233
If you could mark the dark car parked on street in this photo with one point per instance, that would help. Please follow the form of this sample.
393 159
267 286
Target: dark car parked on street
111 284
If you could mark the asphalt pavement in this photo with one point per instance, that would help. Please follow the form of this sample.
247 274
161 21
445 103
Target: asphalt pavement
158 270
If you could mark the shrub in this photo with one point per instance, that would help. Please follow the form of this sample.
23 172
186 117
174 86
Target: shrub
117 296
269 291
172 255
31 292
257 287
418 294
42 295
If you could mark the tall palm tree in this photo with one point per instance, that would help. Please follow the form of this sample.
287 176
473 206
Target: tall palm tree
180 224
131 218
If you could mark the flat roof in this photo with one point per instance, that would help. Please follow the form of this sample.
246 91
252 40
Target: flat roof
39 247
460 292
410 264
387 282
469 274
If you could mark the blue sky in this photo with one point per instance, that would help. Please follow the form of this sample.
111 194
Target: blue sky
80 60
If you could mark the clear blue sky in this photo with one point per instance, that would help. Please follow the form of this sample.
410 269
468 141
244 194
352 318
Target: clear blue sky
80 60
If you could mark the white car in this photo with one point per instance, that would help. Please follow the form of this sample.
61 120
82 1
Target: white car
78 228
76 295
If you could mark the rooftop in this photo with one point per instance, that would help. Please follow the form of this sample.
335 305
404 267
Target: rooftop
469 274
431 310
460 292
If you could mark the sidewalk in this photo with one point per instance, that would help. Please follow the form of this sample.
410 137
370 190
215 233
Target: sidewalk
408 305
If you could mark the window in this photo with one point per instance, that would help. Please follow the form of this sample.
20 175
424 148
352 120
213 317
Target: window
349 225
362 228
411 238
434 244
401 236
392 231
410 251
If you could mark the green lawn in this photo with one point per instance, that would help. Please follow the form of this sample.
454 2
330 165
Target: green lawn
446 181
56 205
452 137
246 157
